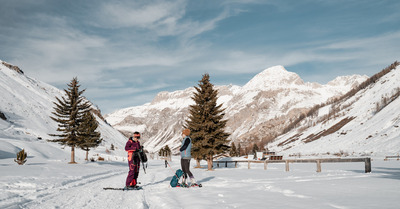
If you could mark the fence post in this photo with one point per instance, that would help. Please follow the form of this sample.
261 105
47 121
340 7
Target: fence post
265 164
248 166
287 165
318 166
235 164
226 164
367 165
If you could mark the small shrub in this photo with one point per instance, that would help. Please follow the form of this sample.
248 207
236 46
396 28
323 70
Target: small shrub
21 157
100 159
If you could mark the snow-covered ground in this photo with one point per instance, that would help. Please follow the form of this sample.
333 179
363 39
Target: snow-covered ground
47 183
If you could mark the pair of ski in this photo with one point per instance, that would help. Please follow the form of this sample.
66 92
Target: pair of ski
187 186
123 189
140 188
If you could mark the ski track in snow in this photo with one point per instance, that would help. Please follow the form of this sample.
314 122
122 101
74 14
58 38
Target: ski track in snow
81 186
29 192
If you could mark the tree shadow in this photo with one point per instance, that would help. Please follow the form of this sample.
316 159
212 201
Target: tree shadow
206 179
388 173
116 163
158 182
5 155
36 163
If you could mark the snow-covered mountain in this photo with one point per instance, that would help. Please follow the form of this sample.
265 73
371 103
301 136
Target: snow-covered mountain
46 181
364 124
257 111
25 107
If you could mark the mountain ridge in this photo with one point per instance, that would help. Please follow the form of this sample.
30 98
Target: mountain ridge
363 122
248 108
27 104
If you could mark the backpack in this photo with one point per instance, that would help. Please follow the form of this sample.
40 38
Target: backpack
142 156
176 177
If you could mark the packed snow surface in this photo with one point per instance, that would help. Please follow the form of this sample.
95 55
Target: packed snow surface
52 183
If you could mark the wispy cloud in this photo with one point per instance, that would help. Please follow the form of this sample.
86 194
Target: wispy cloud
142 14
142 47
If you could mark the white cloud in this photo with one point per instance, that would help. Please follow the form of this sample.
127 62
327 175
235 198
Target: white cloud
142 14
158 45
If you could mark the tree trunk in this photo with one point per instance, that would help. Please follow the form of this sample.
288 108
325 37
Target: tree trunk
209 163
72 155
198 163
87 155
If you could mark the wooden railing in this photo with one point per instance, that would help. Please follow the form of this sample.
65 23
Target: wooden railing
318 161
387 157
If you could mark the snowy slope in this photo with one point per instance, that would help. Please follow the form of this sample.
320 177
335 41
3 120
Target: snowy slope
53 184
367 131
27 104
273 93
47 181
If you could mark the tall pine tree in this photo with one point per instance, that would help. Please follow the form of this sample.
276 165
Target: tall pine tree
206 123
68 113
87 134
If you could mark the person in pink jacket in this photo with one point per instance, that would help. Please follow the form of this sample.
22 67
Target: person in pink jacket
133 147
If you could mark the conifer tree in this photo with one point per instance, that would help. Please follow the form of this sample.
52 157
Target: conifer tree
68 113
167 151
255 149
233 152
206 123
87 134
161 152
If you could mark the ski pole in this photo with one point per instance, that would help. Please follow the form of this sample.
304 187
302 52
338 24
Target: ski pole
173 171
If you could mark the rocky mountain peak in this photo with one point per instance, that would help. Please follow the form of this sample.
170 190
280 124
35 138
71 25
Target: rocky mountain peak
12 67
273 78
353 80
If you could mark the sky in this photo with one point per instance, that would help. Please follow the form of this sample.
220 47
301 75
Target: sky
125 52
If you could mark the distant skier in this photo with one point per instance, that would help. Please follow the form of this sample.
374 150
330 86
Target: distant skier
133 148
186 156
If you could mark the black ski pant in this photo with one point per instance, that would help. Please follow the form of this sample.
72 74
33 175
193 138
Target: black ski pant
185 164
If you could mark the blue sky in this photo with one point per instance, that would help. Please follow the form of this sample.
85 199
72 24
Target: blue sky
125 52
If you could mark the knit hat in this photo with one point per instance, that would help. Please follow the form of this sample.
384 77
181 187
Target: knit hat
186 132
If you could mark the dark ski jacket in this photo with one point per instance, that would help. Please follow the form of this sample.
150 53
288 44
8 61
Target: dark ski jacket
132 147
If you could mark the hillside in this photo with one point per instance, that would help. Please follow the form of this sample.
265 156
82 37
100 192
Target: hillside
366 123
25 107
256 112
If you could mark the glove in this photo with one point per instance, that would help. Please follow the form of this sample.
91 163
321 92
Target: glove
136 153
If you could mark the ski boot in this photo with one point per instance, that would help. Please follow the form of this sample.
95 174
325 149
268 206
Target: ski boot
182 185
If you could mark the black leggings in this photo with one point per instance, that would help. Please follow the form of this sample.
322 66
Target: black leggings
185 163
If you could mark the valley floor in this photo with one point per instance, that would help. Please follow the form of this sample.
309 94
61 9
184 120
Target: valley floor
56 184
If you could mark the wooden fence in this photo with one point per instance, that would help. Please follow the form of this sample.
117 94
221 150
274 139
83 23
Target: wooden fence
387 157
367 162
